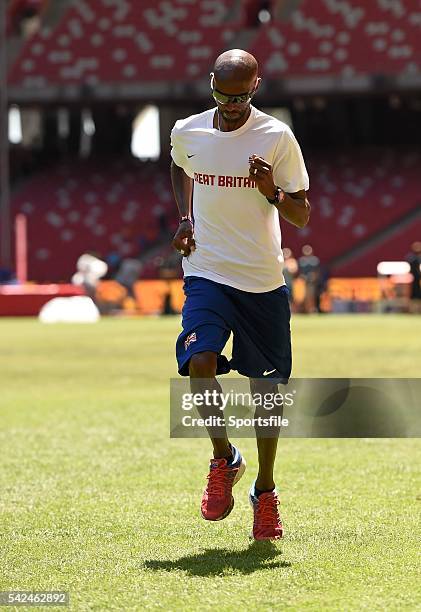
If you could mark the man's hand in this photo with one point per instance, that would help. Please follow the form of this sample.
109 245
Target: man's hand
261 171
183 240
294 207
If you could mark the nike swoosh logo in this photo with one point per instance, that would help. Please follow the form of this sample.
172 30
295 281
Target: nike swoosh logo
191 155
266 372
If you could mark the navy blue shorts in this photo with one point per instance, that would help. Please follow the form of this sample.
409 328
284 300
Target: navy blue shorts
259 322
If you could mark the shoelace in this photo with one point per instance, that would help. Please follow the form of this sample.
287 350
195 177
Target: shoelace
217 480
267 511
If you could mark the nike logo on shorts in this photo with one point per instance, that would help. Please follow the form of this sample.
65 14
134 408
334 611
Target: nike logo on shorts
191 155
266 372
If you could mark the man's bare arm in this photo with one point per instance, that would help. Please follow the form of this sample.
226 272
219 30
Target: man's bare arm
295 208
182 186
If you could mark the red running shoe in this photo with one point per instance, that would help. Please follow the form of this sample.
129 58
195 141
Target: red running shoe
267 524
217 500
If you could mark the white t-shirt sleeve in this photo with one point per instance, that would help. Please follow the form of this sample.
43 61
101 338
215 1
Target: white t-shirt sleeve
178 152
289 170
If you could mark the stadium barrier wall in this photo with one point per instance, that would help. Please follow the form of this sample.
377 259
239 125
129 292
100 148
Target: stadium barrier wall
156 297
341 295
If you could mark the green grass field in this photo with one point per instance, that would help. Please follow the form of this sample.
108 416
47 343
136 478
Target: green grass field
95 499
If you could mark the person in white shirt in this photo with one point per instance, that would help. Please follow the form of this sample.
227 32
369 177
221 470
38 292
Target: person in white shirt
234 170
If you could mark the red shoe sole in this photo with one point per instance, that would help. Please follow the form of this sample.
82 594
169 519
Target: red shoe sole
220 518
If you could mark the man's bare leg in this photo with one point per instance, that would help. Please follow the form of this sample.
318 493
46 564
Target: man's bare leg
202 371
266 446
227 466
267 523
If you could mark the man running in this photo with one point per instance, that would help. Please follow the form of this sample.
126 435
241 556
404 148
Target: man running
234 168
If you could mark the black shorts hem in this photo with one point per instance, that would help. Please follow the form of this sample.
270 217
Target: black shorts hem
276 380
222 366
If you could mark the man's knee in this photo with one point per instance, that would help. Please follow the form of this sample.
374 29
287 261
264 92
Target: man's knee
262 386
203 365
267 398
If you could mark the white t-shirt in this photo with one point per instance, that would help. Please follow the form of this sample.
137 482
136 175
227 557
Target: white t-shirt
237 232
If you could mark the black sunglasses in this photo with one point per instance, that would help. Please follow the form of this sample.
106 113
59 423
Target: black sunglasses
233 98
237 99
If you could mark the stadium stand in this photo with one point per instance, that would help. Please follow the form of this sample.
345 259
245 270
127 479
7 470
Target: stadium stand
395 248
118 41
99 206
108 206
354 195
325 37
109 41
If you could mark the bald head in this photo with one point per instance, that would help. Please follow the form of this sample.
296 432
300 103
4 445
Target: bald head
235 65
234 75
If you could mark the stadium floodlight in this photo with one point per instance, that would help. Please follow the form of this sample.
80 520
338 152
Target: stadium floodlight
145 138
389 268
15 125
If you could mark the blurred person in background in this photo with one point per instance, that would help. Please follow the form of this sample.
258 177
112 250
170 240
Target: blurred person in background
24 16
258 12
113 261
6 277
159 213
414 260
128 273
89 270
309 268
246 168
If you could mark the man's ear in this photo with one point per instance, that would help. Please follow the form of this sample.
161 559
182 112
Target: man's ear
258 81
212 76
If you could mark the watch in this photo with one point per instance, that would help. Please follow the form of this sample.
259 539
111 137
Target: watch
186 218
279 196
